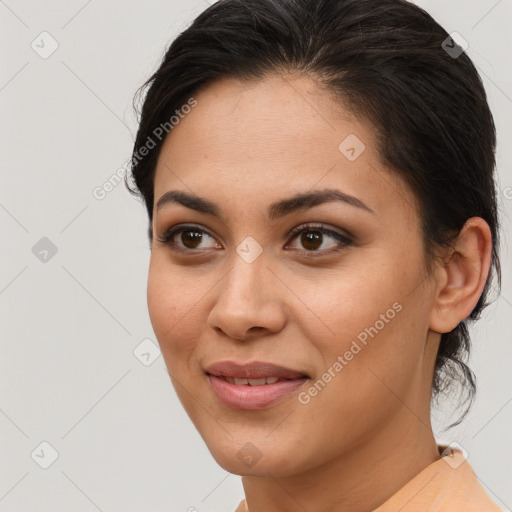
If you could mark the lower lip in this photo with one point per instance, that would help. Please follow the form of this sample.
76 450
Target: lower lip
253 397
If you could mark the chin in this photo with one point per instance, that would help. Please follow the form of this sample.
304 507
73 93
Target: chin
252 459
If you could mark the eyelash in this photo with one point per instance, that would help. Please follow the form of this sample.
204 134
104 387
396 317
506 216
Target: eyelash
167 236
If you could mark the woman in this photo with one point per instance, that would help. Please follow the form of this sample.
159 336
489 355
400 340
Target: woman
318 176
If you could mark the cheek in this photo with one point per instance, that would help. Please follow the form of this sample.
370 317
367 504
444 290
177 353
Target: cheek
346 302
171 299
366 374
374 323
162 304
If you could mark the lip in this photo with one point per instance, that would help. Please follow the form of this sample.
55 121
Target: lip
247 396
254 370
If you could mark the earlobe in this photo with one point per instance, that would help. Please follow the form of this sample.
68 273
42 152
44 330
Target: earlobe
462 275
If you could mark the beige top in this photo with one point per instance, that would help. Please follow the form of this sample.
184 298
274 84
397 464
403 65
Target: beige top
447 485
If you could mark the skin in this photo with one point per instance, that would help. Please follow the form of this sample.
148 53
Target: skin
368 432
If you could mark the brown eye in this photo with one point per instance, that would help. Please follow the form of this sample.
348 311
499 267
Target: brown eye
313 238
191 239
187 238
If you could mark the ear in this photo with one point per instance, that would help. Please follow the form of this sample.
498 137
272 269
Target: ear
461 277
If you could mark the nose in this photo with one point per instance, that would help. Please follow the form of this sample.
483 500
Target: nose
247 304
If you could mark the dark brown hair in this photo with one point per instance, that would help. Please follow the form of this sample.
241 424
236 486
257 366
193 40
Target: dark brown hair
391 63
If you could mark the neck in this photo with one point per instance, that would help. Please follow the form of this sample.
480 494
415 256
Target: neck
359 480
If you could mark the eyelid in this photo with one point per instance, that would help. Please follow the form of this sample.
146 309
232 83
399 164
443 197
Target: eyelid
344 239
322 228
168 234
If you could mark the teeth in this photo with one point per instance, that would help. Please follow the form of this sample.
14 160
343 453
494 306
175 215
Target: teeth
257 382
252 382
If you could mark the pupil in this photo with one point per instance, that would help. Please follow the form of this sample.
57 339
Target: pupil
191 237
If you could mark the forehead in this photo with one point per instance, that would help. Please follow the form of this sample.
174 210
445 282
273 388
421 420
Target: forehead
279 134
262 119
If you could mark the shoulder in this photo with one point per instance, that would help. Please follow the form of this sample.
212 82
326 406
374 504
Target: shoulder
449 484
242 507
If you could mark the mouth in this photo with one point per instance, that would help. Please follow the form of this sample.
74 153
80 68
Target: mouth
251 382
253 386
254 371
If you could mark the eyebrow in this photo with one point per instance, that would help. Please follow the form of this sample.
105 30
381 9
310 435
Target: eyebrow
276 210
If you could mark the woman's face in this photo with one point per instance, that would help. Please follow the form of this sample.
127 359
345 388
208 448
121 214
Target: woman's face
344 305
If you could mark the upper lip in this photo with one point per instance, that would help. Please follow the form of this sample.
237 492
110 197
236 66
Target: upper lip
254 370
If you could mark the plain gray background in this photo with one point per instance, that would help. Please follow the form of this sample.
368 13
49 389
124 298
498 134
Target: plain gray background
73 320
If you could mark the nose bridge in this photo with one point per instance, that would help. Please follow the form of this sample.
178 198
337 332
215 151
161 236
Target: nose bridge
247 276
245 297
248 262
